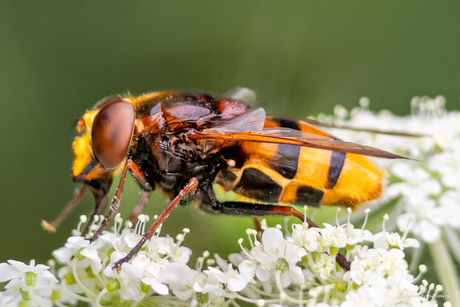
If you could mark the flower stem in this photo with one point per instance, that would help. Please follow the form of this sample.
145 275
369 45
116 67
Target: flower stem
453 238
446 271
416 256
99 297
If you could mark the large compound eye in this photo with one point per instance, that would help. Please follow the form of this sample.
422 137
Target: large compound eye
111 133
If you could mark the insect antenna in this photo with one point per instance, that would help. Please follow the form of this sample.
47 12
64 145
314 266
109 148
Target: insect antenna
51 226
78 125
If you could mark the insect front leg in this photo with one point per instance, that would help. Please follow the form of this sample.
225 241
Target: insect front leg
187 192
140 177
142 180
101 205
51 226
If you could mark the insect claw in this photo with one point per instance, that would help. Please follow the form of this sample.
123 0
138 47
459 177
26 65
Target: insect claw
92 238
118 265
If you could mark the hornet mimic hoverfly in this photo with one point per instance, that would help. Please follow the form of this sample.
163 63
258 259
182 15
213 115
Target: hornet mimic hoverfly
182 143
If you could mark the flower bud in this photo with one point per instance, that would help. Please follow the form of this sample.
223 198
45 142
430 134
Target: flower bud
113 285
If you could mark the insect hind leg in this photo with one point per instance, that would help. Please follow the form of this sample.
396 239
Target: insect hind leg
249 209
210 203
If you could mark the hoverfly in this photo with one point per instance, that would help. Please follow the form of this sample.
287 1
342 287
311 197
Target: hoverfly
182 143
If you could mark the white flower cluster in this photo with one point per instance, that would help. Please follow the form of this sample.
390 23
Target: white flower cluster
28 285
427 187
295 269
87 273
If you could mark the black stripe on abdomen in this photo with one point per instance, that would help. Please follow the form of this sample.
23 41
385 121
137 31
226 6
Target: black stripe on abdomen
257 185
286 160
309 196
335 168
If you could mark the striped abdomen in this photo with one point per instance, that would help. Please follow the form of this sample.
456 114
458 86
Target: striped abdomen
299 175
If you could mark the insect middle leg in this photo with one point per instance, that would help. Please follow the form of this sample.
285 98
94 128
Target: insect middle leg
140 206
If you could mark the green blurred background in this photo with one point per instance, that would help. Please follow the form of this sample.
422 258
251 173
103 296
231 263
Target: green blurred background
57 58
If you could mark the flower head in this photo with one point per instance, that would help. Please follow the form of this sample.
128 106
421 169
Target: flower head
28 284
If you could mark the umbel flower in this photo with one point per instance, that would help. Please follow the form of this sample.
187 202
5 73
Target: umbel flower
426 188
291 267
30 284
275 268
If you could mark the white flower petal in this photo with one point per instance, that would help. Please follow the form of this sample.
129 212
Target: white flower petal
8 272
262 274
273 241
237 283
247 269
429 232
159 287
219 275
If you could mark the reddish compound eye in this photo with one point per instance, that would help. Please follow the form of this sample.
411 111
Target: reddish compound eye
111 133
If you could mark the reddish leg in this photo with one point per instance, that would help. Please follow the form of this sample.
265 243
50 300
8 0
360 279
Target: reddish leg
70 206
140 177
140 206
142 180
187 191
101 205
258 225
247 209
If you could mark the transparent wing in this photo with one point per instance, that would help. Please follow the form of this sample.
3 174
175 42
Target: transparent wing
293 137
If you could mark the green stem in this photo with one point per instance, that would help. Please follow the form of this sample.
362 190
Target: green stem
416 256
446 271
453 238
